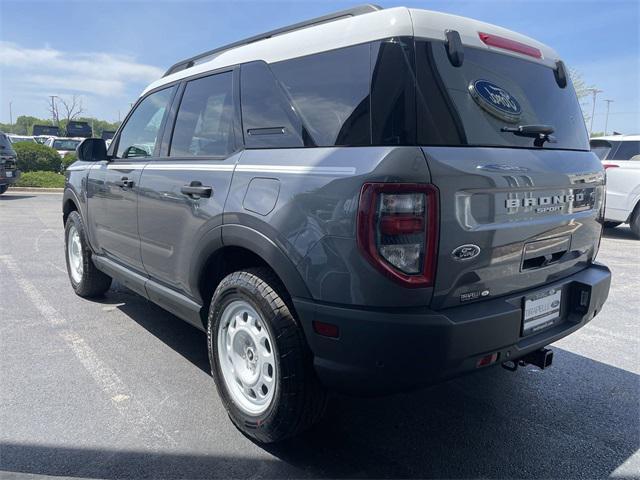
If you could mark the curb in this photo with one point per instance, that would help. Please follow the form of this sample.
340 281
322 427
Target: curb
35 190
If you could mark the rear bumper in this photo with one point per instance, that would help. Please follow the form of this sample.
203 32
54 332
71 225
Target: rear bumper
9 180
382 351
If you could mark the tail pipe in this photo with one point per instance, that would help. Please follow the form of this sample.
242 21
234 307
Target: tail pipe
542 358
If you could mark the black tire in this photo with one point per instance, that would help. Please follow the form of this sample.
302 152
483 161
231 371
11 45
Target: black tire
634 222
93 283
3 188
608 224
299 400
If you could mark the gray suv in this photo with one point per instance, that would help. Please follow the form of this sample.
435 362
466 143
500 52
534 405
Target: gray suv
367 202
9 172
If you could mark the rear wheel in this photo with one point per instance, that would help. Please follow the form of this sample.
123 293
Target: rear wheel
260 362
86 279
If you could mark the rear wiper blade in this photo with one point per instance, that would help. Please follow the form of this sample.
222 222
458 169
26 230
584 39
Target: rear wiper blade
541 133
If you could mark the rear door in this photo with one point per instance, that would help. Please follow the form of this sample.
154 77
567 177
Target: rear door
113 186
513 215
182 193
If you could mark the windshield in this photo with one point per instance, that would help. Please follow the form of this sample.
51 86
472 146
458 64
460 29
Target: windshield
471 104
5 144
16 139
65 144
601 148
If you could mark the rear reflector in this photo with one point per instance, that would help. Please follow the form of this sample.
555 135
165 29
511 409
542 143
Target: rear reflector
326 329
508 44
487 360
401 224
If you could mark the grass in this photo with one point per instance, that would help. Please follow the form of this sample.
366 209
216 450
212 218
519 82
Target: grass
41 180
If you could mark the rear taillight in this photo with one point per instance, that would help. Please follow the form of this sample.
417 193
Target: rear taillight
508 44
610 165
398 230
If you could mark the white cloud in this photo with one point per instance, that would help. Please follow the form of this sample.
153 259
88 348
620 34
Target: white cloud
99 73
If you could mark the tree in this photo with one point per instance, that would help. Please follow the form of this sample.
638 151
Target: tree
583 92
70 108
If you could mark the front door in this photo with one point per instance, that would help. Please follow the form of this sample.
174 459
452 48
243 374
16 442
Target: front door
182 193
113 186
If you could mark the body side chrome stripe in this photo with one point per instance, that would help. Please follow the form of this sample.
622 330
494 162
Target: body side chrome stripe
284 169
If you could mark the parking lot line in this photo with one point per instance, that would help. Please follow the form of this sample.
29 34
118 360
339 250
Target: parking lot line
134 412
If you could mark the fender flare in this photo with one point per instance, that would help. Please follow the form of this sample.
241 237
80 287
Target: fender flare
258 243
70 194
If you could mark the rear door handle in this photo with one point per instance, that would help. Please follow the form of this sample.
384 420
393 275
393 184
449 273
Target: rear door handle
196 190
124 182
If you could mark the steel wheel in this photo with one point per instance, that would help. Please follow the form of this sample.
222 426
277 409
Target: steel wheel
74 252
246 357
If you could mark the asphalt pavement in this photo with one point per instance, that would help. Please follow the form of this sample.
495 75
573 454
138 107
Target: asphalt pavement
119 388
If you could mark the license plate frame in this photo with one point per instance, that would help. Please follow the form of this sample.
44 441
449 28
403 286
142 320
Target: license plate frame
541 310
8 174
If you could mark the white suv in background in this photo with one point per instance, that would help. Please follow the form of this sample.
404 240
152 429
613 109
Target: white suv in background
620 155
63 145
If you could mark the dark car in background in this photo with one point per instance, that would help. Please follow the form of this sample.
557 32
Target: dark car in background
79 129
46 131
9 172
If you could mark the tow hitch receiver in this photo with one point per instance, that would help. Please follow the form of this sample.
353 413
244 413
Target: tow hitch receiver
542 359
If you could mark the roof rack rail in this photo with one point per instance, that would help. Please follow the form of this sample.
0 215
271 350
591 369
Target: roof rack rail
350 12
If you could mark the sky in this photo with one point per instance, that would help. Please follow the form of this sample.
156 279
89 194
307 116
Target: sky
108 51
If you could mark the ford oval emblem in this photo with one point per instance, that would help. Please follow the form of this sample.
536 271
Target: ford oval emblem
466 252
495 100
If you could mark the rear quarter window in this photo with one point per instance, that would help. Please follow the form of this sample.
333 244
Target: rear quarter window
330 91
602 148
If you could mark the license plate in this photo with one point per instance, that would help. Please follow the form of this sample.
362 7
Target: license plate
9 174
541 310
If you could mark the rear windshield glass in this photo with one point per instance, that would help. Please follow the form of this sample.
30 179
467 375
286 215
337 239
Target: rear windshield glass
470 104
65 144
602 148
5 144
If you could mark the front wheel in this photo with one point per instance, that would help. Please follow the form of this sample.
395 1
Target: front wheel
634 223
3 188
86 279
260 362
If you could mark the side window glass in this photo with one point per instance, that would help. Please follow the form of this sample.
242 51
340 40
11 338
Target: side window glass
268 120
330 92
204 125
626 150
139 136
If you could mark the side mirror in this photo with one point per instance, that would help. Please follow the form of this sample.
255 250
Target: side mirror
92 150
635 158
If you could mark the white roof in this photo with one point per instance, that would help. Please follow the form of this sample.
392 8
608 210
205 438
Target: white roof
386 23
618 138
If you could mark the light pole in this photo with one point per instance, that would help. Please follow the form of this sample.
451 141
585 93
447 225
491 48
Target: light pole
53 109
10 117
606 119
594 92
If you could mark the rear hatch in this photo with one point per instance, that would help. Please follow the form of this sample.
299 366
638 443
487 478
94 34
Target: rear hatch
7 158
516 211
